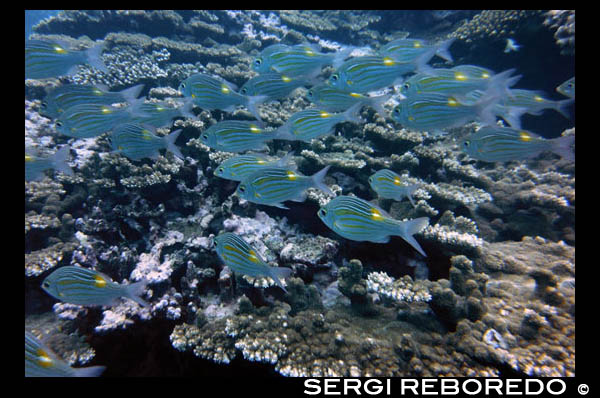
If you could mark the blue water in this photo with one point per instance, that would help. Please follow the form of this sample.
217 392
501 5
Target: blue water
32 17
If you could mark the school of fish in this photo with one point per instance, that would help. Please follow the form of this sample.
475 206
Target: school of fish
428 99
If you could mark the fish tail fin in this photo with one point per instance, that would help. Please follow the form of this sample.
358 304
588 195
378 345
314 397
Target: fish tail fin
352 114
94 57
406 230
485 105
340 56
287 161
284 133
512 116
409 191
563 146
135 290
253 103
59 160
279 273
377 104
171 147
90 371
317 181
442 49
186 109
501 82
562 105
421 62
131 93
135 106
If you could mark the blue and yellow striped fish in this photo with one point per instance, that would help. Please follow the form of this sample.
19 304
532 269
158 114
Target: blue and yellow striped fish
457 81
44 59
138 141
501 144
42 362
297 60
91 120
67 96
159 114
436 111
35 166
272 186
356 219
83 286
408 50
236 136
241 258
313 123
368 73
535 103
211 93
239 167
388 185
272 84
333 100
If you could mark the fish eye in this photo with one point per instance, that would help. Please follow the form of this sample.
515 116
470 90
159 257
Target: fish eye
44 105
244 90
396 110
182 85
370 179
59 124
467 143
310 93
242 188
257 61
215 242
221 170
322 213
46 284
334 77
406 86
205 136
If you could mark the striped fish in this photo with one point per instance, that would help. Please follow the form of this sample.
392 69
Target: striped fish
44 59
67 96
91 120
388 185
35 166
334 100
236 136
368 73
456 82
272 186
239 167
501 144
272 84
408 50
83 286
297 60
42 362
241 258
356 219
535 103
159 114
436 111
567 88
313 123
211 93
138 141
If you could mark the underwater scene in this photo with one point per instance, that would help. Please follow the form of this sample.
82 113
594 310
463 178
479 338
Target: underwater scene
300 193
